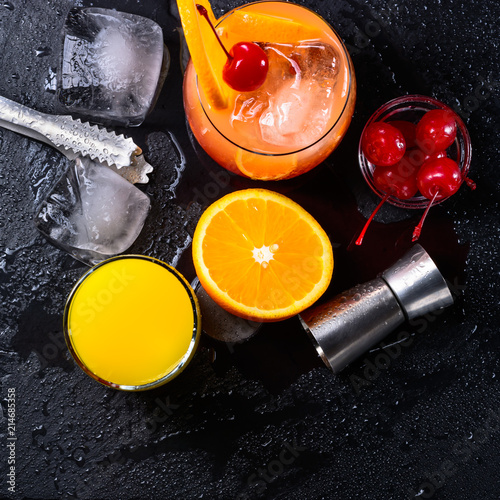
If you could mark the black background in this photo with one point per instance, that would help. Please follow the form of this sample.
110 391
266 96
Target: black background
265 419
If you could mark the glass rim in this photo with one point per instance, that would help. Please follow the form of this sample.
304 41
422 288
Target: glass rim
346 99
183 361
420 201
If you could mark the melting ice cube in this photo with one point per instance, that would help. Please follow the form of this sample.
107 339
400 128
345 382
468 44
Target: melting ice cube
92 212
113 65
294 106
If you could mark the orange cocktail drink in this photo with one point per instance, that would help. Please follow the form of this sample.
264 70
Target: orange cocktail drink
299 114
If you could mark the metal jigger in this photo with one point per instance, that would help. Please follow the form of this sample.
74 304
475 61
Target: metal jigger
352 322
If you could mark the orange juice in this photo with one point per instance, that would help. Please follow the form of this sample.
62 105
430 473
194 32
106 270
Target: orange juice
301 112
132 322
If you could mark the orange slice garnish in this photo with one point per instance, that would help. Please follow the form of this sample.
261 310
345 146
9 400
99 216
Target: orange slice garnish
261 256
201 42
260 27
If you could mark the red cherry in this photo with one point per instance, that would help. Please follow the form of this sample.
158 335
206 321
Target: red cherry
247 64
417 157
398 180
246 67
436 130
436 179
441 176
383 144
408 129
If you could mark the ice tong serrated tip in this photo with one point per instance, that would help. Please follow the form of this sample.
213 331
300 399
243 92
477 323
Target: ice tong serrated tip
73 138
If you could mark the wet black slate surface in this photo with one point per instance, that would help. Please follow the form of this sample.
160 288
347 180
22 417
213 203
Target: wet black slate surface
265 419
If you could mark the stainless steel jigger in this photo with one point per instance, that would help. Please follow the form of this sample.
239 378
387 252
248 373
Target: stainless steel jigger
352 322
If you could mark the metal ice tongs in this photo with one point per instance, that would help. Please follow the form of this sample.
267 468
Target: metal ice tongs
75 138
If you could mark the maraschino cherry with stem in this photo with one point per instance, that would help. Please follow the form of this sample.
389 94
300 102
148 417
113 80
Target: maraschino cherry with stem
397 180
437 179
247 64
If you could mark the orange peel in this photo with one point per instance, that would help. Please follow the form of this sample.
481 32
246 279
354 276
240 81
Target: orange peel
201 41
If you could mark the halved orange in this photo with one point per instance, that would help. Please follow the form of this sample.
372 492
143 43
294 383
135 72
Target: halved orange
261 256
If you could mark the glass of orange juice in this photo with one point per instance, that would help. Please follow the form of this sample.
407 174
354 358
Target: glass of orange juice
299 114
132 322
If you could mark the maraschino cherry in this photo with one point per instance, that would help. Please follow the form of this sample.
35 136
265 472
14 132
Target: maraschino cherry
397 180
383 144
417 157
436 130
436 179
409 131
247 64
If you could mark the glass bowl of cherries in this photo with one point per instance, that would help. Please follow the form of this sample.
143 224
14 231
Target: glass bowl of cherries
414 152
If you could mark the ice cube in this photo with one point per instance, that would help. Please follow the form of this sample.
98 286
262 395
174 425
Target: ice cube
294 105
247 110
92 212
300 107
113 65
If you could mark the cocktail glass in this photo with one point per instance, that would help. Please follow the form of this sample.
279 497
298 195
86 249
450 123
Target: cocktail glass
302 111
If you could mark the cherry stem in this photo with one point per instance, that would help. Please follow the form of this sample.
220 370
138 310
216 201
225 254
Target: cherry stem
470 183
203 12
418 228
368 222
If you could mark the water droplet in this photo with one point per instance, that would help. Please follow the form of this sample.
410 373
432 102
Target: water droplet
8 5
50 84
43 51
